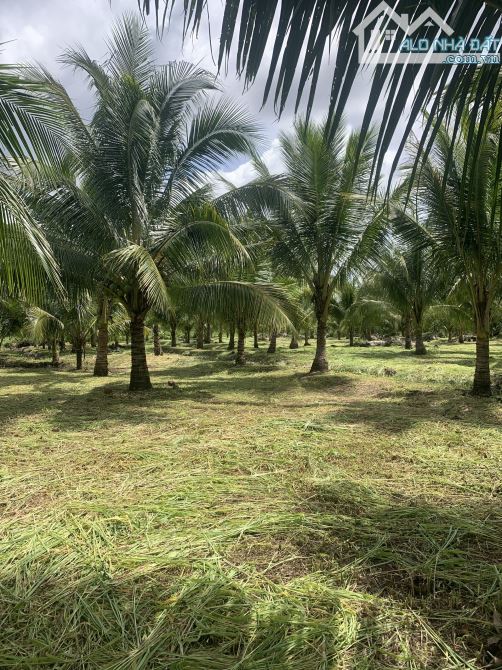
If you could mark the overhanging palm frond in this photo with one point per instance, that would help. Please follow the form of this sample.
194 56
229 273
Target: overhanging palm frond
304 31
134 262
26 259
43 325
248 301
30 122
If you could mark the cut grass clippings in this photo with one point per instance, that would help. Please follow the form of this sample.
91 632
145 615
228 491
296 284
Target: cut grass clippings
253 518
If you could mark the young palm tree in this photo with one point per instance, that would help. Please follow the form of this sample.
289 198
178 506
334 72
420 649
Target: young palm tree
323 225
78 319
460 193
343 310
410 282
141 164
46 327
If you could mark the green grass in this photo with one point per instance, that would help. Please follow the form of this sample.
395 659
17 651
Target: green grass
251 519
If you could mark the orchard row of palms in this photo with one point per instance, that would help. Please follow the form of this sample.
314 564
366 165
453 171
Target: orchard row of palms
116 220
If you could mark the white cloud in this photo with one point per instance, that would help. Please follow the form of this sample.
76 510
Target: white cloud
40 31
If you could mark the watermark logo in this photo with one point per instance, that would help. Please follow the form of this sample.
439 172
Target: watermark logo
385 36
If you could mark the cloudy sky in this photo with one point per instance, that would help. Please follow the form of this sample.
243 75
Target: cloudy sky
39 30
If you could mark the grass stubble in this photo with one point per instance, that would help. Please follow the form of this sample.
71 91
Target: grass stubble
252 519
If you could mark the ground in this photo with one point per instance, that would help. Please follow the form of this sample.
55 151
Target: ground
255 518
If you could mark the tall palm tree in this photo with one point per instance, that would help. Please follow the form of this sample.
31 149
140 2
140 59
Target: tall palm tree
139 199
322 226
460 197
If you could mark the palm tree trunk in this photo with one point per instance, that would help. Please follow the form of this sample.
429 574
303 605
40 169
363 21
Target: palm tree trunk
200 335
140 376
62 345
461 337
407 334
93 339
450 337
207 334
220 334
157 347
240 359
320 362
172 327
351 337
272 347
255 336
101 362
231 339
79 347
482 380
420 349
55 353
187 334
294 342
306 342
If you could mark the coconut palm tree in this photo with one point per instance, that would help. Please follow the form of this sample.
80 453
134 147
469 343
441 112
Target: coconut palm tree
410 282
141 166
460 196
45 326
322 226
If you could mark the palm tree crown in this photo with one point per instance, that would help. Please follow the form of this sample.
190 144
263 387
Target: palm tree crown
460 197
138 196
322 225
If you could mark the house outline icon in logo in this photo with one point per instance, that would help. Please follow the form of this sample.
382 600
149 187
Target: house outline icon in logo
385 30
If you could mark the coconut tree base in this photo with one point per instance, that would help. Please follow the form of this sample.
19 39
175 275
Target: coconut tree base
320 362
272 347
482 380
140 376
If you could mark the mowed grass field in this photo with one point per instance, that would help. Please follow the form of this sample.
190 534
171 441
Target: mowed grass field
252 518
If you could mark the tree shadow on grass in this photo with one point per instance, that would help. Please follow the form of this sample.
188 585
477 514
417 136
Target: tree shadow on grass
112 404
398 411
440 559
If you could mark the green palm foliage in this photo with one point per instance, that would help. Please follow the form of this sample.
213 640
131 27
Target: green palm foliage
305 30
13 317
138 198
29 133
410 282
323 226
46 326
460 197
